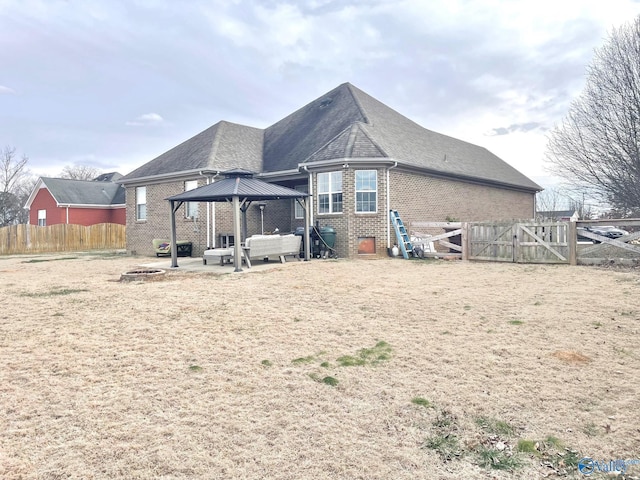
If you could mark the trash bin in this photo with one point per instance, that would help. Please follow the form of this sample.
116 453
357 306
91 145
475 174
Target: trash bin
328 242
322 239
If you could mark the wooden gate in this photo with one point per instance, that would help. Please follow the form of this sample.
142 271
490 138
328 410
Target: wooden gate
519 242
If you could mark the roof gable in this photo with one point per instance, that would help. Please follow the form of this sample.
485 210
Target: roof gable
223 146
295 138
352 142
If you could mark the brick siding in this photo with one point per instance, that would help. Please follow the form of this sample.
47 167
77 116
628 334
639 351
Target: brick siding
277 213
421 198
416 197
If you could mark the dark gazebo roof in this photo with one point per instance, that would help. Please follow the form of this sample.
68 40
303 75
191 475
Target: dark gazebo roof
240 183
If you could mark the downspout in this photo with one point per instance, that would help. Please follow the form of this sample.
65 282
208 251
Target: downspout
209 233
395 164
211 215
310 194
67 214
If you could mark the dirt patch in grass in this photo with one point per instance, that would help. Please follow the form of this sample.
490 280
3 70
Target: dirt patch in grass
571 357
194 377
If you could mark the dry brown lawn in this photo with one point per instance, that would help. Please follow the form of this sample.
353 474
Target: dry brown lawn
234 376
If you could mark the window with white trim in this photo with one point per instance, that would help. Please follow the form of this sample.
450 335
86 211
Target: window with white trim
42 218
190 208
299 211
330 192
366 191
141 203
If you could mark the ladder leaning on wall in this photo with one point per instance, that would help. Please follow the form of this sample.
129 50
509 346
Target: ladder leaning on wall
404 242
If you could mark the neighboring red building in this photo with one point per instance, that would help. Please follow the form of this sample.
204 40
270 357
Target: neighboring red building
79 202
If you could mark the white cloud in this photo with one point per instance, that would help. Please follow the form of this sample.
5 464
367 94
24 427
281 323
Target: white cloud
146 120
461 67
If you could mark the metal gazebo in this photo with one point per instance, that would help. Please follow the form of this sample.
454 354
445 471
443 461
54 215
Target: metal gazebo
240 188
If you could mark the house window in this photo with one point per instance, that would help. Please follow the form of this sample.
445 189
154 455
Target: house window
191 208
141 203
299 211
42 218
330 192
366 191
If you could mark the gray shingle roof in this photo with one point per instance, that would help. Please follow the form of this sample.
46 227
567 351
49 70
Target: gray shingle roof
348 123
84 192
223 146
344 123
295 138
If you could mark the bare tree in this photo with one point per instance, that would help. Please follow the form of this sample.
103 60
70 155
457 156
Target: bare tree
15 183
80 172
559 199
549 200
597 146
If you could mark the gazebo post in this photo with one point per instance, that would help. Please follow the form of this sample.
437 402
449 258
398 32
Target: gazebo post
237 248
174 241
244 206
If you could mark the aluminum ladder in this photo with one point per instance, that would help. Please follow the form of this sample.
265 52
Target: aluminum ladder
404 242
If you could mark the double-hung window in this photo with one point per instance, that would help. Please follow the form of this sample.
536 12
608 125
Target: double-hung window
366 191
141 203
190 208
330 192
42 218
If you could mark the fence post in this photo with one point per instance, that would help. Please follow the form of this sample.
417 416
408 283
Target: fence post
464 240
572 238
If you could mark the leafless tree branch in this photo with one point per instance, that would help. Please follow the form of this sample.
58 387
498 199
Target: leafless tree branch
597 145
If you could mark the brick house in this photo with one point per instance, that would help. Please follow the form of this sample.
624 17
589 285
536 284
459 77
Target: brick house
355 156
79 202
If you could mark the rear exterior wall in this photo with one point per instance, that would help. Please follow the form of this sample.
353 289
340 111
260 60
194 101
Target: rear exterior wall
423 198
351 227
417 198
140 233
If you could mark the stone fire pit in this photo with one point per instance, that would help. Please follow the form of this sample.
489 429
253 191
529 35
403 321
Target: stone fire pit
143 274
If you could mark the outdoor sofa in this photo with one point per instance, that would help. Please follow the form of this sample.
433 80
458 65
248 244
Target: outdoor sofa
258 246
162 247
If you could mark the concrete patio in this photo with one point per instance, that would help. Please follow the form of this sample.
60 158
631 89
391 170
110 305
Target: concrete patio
194 264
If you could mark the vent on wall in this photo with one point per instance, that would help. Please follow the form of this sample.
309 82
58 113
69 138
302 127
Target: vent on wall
366 245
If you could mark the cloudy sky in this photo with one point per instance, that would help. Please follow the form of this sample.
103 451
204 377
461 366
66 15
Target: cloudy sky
113 84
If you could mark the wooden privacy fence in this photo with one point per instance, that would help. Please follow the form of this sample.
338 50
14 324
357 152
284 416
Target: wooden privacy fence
529 242
17 239
519 242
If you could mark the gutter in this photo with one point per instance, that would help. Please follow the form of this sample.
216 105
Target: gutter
279 173
89 205
350 161
310 182
165 176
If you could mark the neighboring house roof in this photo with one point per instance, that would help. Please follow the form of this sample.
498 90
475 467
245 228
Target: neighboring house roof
108 177
80 192
344 123
557 213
